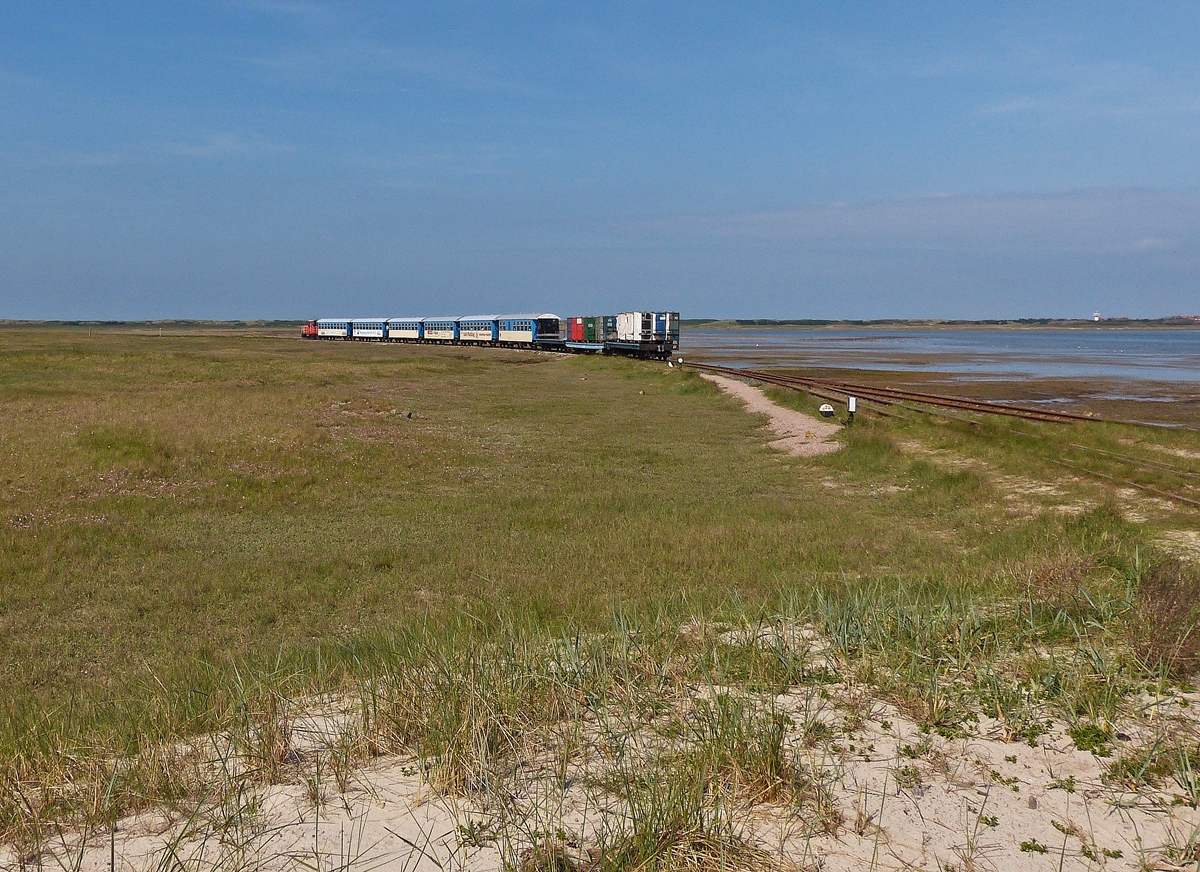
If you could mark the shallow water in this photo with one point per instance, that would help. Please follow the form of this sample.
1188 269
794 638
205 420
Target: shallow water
1167 355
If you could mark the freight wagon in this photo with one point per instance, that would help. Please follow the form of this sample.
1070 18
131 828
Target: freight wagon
646 334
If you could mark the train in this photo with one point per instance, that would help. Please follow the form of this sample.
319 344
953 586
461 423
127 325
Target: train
652 335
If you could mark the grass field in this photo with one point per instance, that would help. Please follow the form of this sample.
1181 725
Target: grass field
196 520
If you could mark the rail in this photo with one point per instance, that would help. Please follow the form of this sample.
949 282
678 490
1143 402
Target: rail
832 389
890 396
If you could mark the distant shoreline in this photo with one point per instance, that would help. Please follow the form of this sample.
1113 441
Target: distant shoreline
165 322
1174 322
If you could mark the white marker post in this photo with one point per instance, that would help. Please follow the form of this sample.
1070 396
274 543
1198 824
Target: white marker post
851 407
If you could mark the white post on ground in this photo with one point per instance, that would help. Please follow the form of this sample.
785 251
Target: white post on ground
851 407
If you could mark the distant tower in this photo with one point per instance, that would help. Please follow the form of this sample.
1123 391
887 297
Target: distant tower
1095 316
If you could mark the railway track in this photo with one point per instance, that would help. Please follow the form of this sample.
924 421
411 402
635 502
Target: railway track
832 389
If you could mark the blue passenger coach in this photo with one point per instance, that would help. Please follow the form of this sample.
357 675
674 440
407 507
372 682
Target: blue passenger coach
369 328
333 328
404 328
443 329
478 328
529 328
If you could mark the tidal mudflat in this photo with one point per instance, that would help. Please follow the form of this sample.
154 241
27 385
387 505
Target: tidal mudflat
1134 374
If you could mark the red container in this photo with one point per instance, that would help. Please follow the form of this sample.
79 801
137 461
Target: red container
576 330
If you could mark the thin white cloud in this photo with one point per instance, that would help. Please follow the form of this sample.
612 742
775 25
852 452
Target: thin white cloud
338 48
1148 244
304 12
346 60
1046 74
426 169
225 145
1062 86
220 146
1096 222
89 159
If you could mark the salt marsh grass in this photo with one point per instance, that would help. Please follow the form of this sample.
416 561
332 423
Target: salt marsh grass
229 562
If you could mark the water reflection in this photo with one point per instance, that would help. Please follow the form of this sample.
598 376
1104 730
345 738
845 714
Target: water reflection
1171 355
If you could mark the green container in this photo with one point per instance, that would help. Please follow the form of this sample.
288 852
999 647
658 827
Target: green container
592 330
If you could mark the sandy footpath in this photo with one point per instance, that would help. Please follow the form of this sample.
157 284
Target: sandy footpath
798 434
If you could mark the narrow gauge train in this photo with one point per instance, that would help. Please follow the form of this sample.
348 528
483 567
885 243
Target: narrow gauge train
637 334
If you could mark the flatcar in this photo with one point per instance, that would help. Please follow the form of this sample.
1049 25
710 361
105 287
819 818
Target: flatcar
645 334
638 334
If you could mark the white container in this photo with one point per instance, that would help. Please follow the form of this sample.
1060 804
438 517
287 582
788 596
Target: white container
635 326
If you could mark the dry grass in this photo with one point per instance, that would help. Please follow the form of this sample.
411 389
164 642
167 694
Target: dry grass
206 533
1166 608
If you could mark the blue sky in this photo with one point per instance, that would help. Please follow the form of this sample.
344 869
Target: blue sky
278 159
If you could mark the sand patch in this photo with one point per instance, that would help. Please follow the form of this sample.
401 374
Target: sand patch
798 434
1184 544
1024 497
1185 453
893 796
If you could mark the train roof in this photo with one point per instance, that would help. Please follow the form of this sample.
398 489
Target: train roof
531 316
528 316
